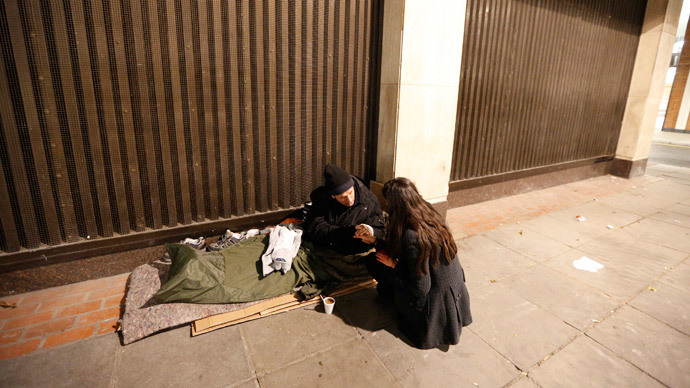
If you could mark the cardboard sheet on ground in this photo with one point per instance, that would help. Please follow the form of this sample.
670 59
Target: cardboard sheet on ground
269 307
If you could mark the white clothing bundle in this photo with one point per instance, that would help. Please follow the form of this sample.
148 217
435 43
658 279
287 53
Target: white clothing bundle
283 245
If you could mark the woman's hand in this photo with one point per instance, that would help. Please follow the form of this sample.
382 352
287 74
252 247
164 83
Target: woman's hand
366 239
386 260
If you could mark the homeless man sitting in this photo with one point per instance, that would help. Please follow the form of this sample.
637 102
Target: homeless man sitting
345 216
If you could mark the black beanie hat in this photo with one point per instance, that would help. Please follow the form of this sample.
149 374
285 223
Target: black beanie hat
337 180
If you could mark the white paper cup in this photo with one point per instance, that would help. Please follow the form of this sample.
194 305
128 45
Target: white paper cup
328 304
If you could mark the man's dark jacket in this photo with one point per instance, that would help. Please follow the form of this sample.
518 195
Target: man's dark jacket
332 225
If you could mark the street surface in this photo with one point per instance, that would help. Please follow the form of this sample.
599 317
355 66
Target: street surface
672 154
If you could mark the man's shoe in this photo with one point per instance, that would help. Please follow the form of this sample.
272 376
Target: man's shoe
196 243
227 240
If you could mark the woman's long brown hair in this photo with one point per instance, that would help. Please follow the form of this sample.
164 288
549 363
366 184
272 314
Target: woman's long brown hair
408 210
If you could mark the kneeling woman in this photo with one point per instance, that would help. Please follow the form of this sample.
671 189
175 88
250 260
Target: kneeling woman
420 269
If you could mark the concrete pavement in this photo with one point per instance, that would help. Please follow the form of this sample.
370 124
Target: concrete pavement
538 321
675 138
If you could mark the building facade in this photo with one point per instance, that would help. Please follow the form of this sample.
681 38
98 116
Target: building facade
129 123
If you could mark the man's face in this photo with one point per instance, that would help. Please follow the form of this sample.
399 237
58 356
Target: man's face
347 198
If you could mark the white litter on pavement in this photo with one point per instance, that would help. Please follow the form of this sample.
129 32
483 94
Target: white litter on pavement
580 218
586 264
609 226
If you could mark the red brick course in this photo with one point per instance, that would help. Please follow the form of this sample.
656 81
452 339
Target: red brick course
107 292
18 311
99 316
79 309
107 327
8 337
39 296
66 300
49 327
90 285
53 317
69 336
113 301
28 320
18 349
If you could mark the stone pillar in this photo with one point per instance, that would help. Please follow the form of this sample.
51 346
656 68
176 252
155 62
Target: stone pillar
677 110
420 76
646 87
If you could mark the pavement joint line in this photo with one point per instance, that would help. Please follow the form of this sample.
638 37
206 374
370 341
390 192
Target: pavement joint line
383 364
116 367
247 352
242 382
495 350
618 356
520 377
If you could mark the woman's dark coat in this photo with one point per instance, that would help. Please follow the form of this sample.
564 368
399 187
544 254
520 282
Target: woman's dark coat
434 307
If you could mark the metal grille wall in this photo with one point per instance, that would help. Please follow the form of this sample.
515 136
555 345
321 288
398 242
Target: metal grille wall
121 116
542 82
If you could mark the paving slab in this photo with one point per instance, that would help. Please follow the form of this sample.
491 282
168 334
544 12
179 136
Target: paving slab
585 363
661 167
497 261
469 362
352 364
678 177
285 338
573 302
598 216
661 233
474 277
366 310
252 383
621 283
650 345
215 359
672 218
566 230
624 250
87 363
666 303
525 382
679 208
632 203
518 329
679 276
534 245
664 192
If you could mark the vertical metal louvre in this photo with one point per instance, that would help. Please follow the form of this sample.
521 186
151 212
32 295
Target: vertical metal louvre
122 116
542 82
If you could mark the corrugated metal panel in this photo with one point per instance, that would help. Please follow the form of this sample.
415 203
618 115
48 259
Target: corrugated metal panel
121 116
542 82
